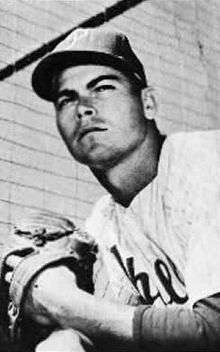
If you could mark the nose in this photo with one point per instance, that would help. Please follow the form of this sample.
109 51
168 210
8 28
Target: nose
85 111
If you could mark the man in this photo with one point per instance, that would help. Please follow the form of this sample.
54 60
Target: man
158 230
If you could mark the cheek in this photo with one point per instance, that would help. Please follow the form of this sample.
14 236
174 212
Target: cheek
129 118
65 123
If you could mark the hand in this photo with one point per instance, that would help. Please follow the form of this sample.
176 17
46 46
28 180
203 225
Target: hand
55 299
61 341
48 290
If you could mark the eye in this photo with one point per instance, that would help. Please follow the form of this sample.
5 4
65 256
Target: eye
61 102
104 87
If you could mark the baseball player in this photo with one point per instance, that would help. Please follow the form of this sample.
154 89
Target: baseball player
157 274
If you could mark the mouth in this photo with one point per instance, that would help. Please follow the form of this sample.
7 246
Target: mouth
86 131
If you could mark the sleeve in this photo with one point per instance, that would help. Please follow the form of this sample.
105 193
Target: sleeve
172 329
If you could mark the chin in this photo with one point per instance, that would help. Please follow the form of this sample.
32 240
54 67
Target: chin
97 156
96 160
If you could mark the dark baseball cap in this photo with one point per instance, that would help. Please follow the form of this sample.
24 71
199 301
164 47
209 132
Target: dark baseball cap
87 46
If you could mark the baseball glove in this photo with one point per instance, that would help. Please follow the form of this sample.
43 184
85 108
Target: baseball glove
41 240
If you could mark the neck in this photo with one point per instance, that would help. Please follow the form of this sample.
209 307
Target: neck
127 178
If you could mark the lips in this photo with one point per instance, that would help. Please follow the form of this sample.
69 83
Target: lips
87 130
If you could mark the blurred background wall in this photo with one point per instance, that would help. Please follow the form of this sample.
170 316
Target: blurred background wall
179 44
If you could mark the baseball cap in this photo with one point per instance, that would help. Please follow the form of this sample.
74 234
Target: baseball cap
87 46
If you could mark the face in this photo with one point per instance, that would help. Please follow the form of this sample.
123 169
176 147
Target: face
99 114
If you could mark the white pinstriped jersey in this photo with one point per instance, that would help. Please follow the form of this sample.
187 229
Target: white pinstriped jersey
165 247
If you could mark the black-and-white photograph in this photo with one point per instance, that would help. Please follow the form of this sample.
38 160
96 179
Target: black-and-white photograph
109 175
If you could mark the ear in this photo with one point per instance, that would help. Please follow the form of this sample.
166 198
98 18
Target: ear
149 103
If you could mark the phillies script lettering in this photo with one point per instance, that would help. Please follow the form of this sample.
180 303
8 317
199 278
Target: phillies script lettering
166 273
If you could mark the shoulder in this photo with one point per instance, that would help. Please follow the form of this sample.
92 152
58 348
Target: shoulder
195 140
196 147
102 204
100 211
189 167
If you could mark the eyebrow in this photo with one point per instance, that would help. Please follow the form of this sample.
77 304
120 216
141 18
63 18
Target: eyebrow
95 81
91 84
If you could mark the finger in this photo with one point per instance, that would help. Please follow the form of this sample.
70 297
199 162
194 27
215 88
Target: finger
8 277
13 260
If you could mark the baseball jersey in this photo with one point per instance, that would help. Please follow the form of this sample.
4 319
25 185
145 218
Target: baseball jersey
164 248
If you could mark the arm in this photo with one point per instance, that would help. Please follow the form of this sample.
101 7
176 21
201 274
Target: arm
163 329
172 329
54 298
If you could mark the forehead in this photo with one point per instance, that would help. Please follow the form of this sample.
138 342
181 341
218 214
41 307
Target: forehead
83 74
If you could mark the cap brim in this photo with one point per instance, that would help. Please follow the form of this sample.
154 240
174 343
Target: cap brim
52 64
